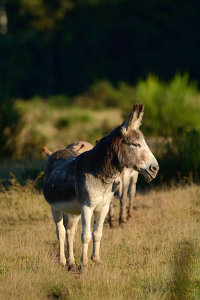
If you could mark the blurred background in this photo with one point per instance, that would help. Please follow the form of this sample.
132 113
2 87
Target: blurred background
71 70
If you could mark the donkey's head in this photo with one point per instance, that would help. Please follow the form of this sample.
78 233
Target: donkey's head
133 151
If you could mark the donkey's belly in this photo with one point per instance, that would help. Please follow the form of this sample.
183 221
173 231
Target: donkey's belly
71 207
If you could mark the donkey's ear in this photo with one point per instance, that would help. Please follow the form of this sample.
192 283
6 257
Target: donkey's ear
81 147
47 151
134 119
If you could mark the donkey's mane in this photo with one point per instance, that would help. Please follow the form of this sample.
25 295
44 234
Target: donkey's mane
107 149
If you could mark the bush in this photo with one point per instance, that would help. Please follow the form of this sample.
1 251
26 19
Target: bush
64 122
59 101
181 157
169 106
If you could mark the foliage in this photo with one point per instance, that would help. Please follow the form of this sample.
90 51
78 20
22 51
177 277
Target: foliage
9 127
58 100
45 14
64 122
64 46
181 157
171 114
169 106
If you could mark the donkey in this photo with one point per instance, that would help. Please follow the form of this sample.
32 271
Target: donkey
126 189
83 185
125 184
78 146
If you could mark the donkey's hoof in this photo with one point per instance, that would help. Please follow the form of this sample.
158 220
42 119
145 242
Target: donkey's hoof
96 260
112 225
122 222
63 261
71 267
84 269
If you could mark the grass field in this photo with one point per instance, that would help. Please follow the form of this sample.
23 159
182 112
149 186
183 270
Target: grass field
156 256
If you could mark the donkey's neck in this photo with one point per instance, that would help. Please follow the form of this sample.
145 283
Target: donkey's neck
107 166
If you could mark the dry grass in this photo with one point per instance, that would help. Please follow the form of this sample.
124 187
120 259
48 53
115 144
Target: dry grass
154 257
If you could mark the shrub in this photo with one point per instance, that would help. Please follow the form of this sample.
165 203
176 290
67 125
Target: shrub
182 156
59 100
64 122
169 106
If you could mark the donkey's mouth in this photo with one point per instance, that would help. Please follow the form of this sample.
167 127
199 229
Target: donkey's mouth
148 177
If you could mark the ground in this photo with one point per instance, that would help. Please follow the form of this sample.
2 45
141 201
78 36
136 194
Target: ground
156 256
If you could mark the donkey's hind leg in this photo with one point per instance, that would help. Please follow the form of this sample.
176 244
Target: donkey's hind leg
60 230
111 214
131 193
123 200
117 189
71 226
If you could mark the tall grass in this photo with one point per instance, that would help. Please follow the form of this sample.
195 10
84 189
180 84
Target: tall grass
154 257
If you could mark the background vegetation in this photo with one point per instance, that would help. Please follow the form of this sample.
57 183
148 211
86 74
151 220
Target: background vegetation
171 124
68 66
65 46
71 70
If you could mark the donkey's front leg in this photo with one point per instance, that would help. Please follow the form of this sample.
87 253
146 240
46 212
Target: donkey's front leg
86 215
99 217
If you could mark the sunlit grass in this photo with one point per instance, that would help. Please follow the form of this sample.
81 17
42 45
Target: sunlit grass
154 257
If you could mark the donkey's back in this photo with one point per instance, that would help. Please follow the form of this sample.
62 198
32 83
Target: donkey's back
60 176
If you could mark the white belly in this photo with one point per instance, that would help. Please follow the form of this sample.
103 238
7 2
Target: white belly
73 207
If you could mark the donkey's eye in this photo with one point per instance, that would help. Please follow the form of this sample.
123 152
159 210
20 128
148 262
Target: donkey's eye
136 145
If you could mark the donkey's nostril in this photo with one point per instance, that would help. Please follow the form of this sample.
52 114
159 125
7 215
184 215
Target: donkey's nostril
153 168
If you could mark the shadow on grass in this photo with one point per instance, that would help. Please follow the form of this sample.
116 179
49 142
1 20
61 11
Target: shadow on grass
22 171
182 267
